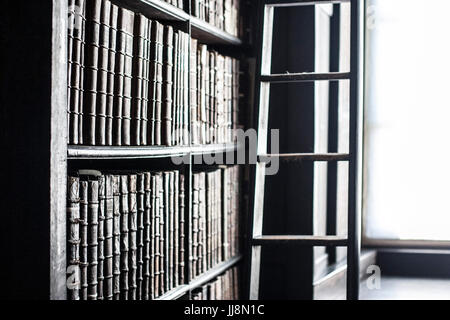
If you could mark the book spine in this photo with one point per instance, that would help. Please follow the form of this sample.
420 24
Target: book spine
204 84
162 233
158 236
82 10
93 14
128 79
111 74
102 83
109 238
213 219
159 83
133 229
145 85
182 230
220 216
101 234
175 89
181 89
193 91
93 241
123 37
140 234
203 261
155 87
209 218
195 224
138 79
176 232
153 242
75 74
167 231
124 241
167 86
70 43
177 127
84 208
117 234
146 294
208 96
171 243
186 57
74 240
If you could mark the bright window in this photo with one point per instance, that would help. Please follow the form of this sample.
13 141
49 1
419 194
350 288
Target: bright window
407 174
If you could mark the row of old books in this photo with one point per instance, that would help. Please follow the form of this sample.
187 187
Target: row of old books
223 14
133 81
176 3
214 234
127 234
224 287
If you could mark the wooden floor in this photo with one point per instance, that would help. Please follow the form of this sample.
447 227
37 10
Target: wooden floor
395 288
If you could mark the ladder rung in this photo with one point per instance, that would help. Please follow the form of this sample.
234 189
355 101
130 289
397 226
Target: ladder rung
311 241
316 157
293 3
305 77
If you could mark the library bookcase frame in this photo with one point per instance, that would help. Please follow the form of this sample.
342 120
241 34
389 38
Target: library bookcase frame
35 133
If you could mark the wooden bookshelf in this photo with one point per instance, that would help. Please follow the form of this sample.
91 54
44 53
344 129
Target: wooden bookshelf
35 140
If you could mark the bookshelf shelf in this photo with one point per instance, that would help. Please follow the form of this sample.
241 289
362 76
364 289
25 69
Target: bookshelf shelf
201 30
201 280
209 34
84 152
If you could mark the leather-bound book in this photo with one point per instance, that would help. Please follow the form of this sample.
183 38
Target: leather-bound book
101 234
117 235
141 24
162 236
175 89
123 76
73 234
128 78
114 16
109 238
133 229
176 231
93 23
93 240
158 235
102 82
77 20
171 244
84 223
146 295
154 244
167 99
182 221
195 226
124 238
193 92
156 78
140 234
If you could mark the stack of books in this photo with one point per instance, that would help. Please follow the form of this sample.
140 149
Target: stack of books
223 14
126 231
136 82
224 287
215 228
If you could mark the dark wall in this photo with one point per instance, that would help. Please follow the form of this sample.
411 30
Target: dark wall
25 29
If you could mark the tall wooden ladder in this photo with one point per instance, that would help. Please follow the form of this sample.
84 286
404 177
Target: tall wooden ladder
264 79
